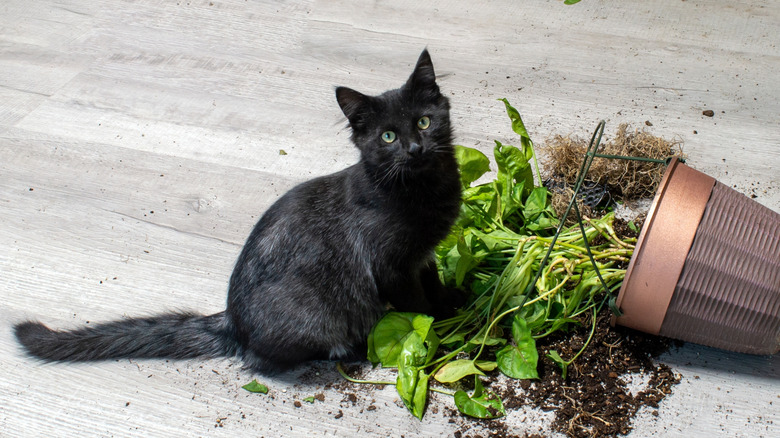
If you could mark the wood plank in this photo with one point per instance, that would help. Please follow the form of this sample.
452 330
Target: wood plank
110 111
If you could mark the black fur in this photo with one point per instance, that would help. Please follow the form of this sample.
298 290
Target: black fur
322 263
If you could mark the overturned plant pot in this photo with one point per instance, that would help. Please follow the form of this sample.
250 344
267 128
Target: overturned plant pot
706 268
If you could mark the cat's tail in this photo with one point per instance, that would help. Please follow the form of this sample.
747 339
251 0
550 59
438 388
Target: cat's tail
172 335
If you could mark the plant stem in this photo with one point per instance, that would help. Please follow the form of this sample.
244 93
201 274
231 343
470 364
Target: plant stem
592 331
344 374
441 391
536 164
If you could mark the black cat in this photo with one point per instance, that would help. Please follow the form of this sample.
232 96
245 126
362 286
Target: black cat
322 263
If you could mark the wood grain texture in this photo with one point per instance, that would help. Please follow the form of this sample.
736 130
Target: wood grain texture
140 141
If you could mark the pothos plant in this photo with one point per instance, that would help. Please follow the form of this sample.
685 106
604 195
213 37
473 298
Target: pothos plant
494 252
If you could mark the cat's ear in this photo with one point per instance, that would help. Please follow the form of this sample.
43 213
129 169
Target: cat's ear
353 104
423 76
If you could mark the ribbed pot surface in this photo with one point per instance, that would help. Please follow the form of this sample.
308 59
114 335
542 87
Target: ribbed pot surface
706 267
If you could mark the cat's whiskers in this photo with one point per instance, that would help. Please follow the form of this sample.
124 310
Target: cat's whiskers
439 148
390 173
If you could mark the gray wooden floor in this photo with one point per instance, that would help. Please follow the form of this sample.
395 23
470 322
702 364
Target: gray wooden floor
141 140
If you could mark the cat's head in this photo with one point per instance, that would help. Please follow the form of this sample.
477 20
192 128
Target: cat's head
401 131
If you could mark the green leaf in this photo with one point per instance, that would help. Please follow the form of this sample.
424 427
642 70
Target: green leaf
414 351
522 335
519 192
542 223
449 242
412 382
309 399
389 334
497 240
513 168
371 355
614 307
538 211
453 341
534 315
480 206
448 265
479 194
512 161
466 262
255 386
519 127
473 164
456 370
480 286
420 397
556 311
519 361
570 2
525 140
489 341
481 404
535 203
387 337
555 357
486 365
512 363
517 122
422 326
562 322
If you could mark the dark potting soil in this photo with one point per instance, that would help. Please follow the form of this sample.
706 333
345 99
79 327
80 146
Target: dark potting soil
595 399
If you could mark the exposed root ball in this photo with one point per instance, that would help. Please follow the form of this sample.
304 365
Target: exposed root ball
560 201
627 180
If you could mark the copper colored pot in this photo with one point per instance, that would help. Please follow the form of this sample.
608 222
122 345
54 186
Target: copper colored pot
706 268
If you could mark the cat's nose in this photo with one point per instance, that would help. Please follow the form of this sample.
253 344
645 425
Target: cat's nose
415 150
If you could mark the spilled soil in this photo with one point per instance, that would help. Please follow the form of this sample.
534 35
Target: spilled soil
597 397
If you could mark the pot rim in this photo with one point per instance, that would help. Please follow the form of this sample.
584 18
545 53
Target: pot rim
662 247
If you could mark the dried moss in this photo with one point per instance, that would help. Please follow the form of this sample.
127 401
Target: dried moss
625 180
560 201
628 180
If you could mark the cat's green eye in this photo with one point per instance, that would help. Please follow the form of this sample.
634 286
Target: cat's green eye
424 122
388 136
